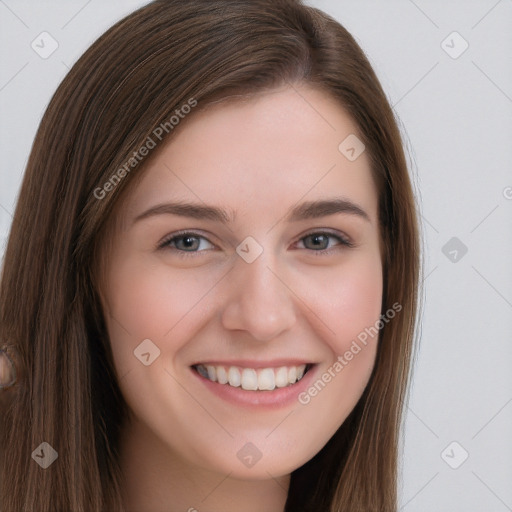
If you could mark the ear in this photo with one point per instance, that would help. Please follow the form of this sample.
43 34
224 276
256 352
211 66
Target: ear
7 370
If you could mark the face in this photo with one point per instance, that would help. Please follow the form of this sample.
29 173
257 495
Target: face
245 268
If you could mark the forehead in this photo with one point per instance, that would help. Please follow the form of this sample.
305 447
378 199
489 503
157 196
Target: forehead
264 152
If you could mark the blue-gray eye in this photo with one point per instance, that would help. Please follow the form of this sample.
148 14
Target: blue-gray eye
190 242
186 242
322 241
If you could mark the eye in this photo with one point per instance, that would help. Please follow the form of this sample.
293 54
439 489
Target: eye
323 241
186 242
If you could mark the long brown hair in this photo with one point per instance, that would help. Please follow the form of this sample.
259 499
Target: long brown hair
132 79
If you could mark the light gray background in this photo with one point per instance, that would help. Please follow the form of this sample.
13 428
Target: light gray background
456 117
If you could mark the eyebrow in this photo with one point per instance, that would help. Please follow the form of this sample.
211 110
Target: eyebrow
303 211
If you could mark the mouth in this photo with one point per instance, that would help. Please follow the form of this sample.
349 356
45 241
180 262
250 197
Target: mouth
253 379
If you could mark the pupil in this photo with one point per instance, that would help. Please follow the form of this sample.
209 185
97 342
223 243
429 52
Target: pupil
189 241
319 240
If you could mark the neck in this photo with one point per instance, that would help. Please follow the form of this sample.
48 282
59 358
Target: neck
156 479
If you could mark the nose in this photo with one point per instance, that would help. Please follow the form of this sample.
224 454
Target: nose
259 300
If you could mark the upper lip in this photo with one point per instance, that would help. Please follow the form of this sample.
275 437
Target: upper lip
251 363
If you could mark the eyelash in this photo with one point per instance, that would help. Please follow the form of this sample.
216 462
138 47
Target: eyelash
186 254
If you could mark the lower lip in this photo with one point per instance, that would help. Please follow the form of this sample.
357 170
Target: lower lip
279 397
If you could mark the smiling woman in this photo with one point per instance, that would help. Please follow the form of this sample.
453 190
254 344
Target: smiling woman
229 324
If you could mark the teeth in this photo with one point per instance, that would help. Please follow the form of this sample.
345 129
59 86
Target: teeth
212 375
264 379
222 376
235 379
249 379
282 377
202 371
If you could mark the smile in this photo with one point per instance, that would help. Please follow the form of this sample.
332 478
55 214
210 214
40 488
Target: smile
252 379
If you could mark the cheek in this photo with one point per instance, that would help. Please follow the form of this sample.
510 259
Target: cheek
359 307
347 299
348 302
150 302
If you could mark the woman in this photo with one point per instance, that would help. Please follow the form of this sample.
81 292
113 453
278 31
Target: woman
176 334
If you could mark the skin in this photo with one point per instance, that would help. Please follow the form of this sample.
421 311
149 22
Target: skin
257 157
